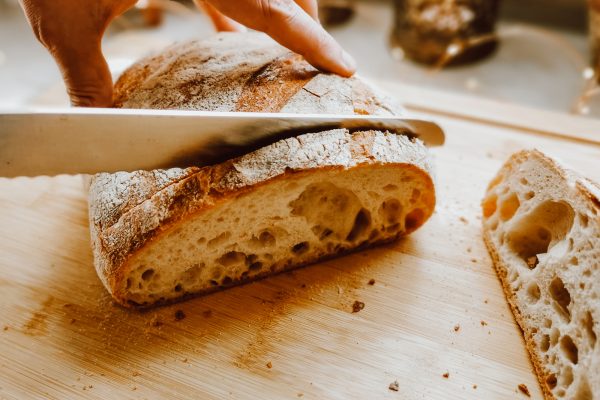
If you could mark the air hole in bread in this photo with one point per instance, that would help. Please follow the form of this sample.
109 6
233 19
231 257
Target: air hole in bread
489 205
232 258
128 284
561 296
509 206
227 280
560 393
214 283
495 182
551 381
554 335
584 391
588 324
178 287
390 188
535 233
321 232
569 349
524 181
266 238
201 241
533 292
219 240
391 211
529 195
545 343
583 220
300 248
416 193
574 261
362 222
147 274
513 276
413 220
571 245
255 266
587 273
547 323
566 376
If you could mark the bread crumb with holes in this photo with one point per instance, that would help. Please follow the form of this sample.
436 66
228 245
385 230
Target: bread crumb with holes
524 389
357 306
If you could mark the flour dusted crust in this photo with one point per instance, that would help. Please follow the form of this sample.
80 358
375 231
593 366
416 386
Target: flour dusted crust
242 72
133 214
126 216
570 265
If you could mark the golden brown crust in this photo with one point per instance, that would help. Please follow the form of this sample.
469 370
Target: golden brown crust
536 359
143 219
272 86
242 72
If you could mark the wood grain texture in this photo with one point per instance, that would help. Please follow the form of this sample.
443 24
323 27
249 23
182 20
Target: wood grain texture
61 336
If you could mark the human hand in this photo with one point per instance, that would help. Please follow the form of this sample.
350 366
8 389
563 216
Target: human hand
72 32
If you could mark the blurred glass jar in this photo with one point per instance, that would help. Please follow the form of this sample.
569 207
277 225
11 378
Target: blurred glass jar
594 18
445 31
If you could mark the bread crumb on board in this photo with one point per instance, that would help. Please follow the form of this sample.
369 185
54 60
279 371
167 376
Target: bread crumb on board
371 281
446 375
179 315
395 386
483 323
5 328
474 386
357 306
269 365
456 328
524 389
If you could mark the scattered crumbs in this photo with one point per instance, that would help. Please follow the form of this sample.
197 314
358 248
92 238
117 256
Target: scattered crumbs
469 249
474 386
5 328
456 328
483 323
185 360
134 388
300 395
357 306
269 365
179 315
136 373
395 386
90 386
207 313
446 375
464 220
485 301
532 262
473 260
67 305
78 378
524 389
371 281
156 322
72 321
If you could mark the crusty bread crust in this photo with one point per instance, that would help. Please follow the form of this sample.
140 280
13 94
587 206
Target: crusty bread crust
242 72
128 216
589 191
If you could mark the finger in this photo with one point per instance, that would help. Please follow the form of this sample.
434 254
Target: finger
86 75
293 28
220 21
310 7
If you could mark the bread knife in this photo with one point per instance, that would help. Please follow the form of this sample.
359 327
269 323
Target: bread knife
87 140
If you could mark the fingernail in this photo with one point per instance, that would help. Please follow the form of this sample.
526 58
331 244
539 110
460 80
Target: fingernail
348 61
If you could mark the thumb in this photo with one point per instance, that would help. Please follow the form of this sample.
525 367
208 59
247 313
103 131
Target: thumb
86 75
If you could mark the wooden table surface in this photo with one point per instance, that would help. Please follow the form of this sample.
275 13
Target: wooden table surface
436 306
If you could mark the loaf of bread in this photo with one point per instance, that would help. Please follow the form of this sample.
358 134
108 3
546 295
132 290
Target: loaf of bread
542 228
160 236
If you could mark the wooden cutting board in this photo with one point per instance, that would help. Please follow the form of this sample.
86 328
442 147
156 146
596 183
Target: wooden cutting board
435 319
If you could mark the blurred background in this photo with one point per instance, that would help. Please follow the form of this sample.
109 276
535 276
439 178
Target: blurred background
536 53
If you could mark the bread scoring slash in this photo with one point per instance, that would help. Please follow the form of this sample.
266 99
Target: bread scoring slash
542 228
161 236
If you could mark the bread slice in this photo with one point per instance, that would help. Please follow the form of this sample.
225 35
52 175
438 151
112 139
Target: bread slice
160 236
541 224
